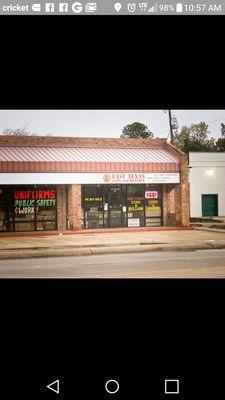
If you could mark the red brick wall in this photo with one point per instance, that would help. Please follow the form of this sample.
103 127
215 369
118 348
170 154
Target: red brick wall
178 194
171 205
182 196
185 191
74 207
61 207
63 141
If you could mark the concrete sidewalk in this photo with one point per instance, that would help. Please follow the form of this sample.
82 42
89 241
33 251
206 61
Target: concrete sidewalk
106 243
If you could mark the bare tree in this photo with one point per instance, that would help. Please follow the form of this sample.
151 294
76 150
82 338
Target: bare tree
18 132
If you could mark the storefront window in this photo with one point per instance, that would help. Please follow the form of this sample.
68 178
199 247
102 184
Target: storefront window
112 206
93 208
23 210
46 209
135 205
3 209
153 208
28 208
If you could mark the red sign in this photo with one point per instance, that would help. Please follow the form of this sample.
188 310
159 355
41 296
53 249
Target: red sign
151 195
30 201
34 194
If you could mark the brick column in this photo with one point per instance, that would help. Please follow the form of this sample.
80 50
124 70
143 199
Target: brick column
178 205
171 205
74 207
185 192
165 204
176 201
61 207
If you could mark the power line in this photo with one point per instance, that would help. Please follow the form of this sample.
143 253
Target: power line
215 120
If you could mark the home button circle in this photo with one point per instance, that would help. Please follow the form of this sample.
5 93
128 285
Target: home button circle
112 386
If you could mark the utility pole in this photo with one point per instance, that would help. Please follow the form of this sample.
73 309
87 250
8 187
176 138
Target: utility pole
223 130
171 127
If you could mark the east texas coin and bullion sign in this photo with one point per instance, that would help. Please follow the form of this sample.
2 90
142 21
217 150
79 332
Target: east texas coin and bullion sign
89 178
141 178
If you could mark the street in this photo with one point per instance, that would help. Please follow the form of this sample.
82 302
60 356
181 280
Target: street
179 264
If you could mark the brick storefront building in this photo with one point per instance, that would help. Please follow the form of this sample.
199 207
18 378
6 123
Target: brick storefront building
66 183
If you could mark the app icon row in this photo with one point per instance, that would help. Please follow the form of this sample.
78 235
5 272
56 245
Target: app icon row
76 7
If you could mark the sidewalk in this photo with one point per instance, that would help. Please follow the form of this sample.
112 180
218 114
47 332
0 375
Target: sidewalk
100 242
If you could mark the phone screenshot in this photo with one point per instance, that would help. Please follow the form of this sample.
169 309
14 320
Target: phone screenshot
112 202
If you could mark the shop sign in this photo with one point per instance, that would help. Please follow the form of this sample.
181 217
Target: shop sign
86 178
153 203
124 178
34 194
151 195
135 205
153 208
95 199
141 178
133 222
29 201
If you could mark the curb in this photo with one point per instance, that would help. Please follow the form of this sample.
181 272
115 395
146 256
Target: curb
95 231
166 247
5 254
207 229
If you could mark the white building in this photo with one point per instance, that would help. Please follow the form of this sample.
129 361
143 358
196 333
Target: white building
207 184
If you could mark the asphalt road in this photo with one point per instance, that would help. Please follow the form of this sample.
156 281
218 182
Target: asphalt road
179 264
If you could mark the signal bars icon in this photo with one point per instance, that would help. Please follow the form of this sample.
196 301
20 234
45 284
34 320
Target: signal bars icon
153 8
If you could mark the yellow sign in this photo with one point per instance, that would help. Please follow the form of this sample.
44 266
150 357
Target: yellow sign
136 208
93 199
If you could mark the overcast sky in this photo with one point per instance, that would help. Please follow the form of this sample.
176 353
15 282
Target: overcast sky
104 123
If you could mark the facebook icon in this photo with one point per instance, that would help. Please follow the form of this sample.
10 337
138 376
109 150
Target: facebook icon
63 7
49 7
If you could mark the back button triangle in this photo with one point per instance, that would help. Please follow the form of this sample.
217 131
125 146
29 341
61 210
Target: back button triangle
54 386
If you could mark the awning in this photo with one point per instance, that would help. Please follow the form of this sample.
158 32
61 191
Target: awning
84 154
69 159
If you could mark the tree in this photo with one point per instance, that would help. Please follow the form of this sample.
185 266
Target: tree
195 138
136 130
18 132
220 143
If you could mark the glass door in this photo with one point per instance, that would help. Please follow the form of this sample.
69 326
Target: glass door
115 206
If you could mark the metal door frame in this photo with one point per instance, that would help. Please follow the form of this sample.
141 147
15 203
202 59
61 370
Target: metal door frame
121 207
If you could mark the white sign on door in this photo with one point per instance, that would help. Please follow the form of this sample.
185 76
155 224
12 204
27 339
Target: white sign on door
133 222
